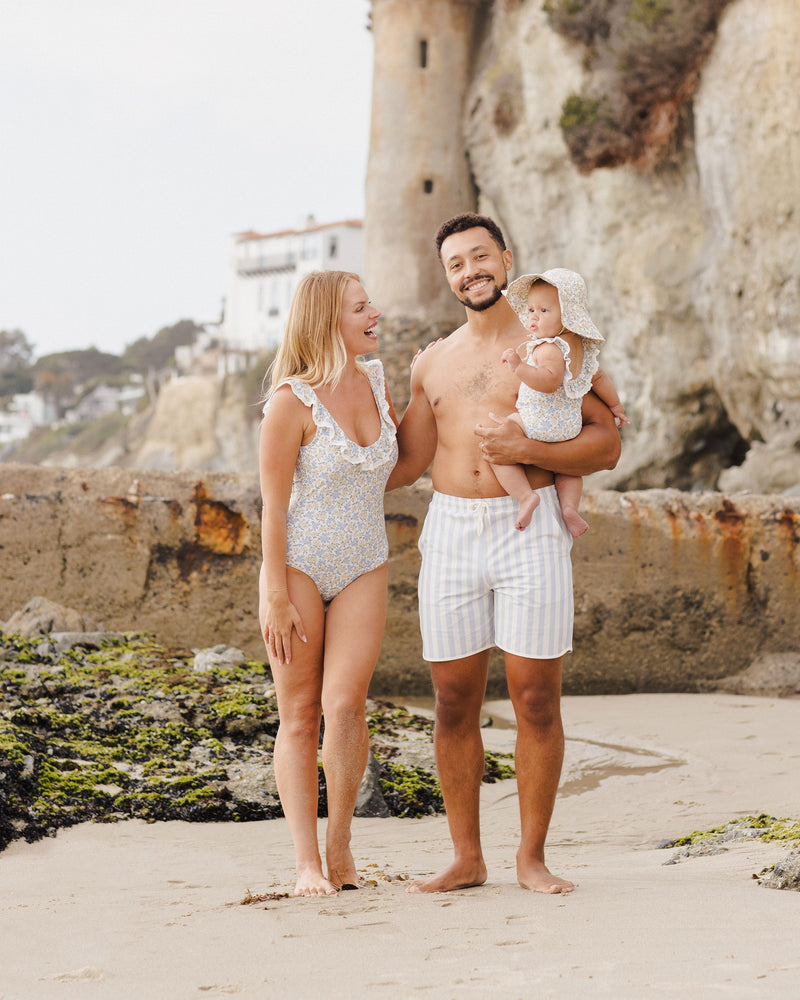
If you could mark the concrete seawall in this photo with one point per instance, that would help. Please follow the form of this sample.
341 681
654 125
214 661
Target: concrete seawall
672 590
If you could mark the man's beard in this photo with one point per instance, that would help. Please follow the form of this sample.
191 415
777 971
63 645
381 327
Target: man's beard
481 306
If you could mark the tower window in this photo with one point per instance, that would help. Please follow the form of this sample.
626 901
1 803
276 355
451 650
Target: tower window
423 53
427 186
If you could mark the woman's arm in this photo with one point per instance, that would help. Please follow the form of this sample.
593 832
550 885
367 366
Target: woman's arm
596 447
282 432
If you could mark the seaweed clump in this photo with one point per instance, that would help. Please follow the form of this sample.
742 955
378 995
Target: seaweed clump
106 727
128 730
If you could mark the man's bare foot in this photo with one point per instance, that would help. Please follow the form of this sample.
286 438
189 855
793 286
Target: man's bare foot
311 882
526 508
535 876
576 525
455 877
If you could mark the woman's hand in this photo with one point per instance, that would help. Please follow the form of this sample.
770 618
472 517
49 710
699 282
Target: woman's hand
281 618
422 350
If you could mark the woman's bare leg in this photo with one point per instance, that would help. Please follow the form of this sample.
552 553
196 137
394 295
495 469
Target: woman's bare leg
353 633
298 686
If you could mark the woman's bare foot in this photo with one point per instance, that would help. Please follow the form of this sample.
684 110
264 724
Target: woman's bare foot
576 525
535 876
344 878
526 508
457 876
342 872
311 882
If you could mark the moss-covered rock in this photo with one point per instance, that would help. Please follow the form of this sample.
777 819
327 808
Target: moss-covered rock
118 726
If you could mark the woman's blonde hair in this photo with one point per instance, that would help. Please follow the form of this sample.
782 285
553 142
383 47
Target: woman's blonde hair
312 349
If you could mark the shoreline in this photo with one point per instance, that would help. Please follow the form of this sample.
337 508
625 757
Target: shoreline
135 909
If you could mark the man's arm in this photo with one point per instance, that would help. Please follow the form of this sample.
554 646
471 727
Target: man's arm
597 446
416 435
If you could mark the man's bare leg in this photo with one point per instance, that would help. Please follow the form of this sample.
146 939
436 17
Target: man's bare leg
459 686
535 690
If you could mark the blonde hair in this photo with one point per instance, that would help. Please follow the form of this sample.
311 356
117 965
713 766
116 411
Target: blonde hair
312 349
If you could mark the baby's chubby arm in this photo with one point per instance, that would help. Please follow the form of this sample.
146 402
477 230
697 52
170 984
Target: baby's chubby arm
546 376
604 388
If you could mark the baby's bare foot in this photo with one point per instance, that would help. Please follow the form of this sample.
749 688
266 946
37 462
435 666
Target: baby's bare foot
526 509
576 525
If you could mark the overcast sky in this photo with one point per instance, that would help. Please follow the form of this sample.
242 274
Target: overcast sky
139 135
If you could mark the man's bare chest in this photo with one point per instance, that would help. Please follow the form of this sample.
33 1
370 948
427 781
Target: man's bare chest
467 386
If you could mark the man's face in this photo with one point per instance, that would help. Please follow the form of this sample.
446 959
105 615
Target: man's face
475 267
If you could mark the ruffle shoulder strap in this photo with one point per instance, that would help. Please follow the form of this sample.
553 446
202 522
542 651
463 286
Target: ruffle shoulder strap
580 384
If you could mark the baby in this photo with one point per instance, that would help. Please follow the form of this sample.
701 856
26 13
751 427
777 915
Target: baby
560 366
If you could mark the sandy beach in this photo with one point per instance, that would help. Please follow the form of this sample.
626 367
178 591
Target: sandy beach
136 910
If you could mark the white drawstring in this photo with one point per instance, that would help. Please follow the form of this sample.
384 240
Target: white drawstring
481 508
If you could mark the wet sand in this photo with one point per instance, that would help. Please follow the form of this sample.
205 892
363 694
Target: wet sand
135 910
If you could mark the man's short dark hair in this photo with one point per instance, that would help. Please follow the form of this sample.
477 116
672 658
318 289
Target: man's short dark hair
469 220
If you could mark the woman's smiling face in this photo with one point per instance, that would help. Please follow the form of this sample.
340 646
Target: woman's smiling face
359 319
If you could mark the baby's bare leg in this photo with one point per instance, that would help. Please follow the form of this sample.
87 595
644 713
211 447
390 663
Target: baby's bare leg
514 481
569 489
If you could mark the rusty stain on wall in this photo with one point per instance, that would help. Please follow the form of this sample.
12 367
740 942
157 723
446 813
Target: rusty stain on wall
218 528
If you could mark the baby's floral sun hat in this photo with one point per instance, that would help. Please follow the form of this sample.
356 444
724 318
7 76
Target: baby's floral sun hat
572 297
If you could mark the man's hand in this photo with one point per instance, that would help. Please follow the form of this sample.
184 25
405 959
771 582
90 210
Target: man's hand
500 442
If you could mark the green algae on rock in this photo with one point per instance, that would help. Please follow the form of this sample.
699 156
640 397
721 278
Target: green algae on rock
128 730
104 727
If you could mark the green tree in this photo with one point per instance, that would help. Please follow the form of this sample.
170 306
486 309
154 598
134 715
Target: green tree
15 363
153 353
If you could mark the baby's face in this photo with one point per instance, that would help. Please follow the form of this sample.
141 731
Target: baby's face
544 312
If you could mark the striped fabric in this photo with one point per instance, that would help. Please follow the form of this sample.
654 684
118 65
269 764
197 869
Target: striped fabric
483 583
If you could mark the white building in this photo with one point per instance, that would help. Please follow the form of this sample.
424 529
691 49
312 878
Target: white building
26 411
105 399
265 269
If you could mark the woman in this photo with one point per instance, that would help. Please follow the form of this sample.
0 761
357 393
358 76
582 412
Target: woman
326 450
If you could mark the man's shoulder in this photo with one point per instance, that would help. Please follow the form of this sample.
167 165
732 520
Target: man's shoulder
431 355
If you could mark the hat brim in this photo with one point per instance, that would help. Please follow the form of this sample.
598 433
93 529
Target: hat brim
517 296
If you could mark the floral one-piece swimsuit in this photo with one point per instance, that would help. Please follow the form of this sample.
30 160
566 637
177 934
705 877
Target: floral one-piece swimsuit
335 529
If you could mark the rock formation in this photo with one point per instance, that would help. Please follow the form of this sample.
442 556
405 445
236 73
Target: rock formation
689 248
673 591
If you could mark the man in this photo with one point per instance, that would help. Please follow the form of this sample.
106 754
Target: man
483 583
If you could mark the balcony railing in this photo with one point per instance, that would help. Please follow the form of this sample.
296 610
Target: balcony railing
266 264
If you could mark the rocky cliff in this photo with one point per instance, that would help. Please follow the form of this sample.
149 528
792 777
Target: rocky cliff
690 249
673 591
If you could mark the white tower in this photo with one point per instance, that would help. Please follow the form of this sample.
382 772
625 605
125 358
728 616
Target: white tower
418 174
